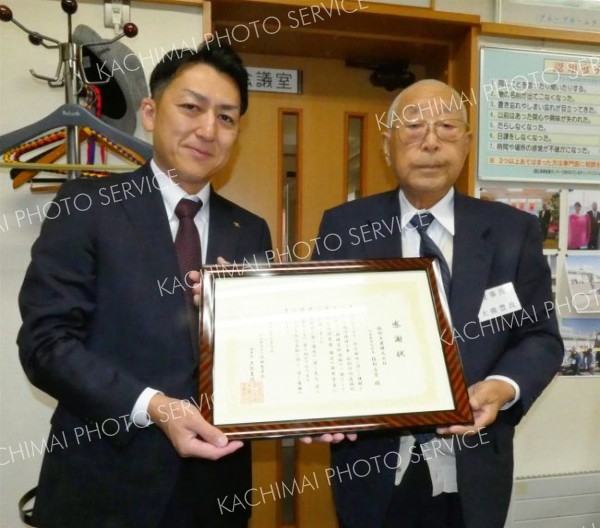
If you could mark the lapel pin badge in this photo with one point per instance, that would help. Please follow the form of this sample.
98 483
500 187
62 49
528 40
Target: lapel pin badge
236 224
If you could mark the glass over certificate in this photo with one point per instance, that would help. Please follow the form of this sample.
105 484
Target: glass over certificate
310 348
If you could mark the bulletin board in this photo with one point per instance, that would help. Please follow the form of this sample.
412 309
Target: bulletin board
539 143
539 116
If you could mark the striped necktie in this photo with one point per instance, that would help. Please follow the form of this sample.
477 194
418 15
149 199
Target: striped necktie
428 248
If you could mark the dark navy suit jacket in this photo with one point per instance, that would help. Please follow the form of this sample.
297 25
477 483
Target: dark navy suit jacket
493 244
98 329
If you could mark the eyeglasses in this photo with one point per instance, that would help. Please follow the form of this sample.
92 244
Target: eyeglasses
446 130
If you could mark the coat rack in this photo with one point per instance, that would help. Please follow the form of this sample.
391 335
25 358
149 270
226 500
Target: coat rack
73 117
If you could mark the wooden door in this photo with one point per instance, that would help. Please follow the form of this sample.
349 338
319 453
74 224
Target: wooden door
332 93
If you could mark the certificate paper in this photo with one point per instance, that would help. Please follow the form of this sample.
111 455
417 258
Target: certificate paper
325 347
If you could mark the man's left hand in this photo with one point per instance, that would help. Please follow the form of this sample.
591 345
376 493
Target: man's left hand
196 277
486 398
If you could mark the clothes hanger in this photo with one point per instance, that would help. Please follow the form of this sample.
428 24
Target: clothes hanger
24 172
70 116
45 147
74 115
45 150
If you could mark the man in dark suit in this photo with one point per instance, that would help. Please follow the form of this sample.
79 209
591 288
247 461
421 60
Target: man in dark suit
449 481
109 326
544 217
594 226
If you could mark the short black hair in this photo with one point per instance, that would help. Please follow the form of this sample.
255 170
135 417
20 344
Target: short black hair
222 58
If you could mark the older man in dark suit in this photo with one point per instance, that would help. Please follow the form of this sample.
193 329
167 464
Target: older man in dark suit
450 481
110 327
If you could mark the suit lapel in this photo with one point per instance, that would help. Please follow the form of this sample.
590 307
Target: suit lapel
147 214
386 220
224 230
472 258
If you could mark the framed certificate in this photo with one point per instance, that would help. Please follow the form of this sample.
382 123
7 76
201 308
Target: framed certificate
315 347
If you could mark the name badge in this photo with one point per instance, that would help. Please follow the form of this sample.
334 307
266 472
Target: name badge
497 301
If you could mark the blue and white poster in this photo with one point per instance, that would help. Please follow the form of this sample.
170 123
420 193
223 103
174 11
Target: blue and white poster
539 117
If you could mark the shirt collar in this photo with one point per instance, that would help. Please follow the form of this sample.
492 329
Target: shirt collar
172 193
443 211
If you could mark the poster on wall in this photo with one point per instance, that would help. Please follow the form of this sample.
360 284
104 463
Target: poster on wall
544 204
581 338
574 14
584 220
539 116
583 277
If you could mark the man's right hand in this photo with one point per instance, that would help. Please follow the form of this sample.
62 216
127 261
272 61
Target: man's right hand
190 434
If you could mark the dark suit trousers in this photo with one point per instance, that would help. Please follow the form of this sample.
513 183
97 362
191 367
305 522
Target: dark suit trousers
412 505
189 507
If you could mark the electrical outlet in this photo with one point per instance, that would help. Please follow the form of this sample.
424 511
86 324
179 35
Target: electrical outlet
116 13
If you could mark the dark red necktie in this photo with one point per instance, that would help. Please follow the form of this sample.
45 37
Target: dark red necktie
189 252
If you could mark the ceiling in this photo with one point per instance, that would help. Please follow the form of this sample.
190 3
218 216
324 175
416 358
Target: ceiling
376 34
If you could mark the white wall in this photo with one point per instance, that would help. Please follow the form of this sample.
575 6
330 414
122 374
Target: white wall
484 8
25 411
560 434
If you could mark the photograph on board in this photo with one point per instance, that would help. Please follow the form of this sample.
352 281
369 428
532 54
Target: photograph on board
584 219
583 277
543 203
582 347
